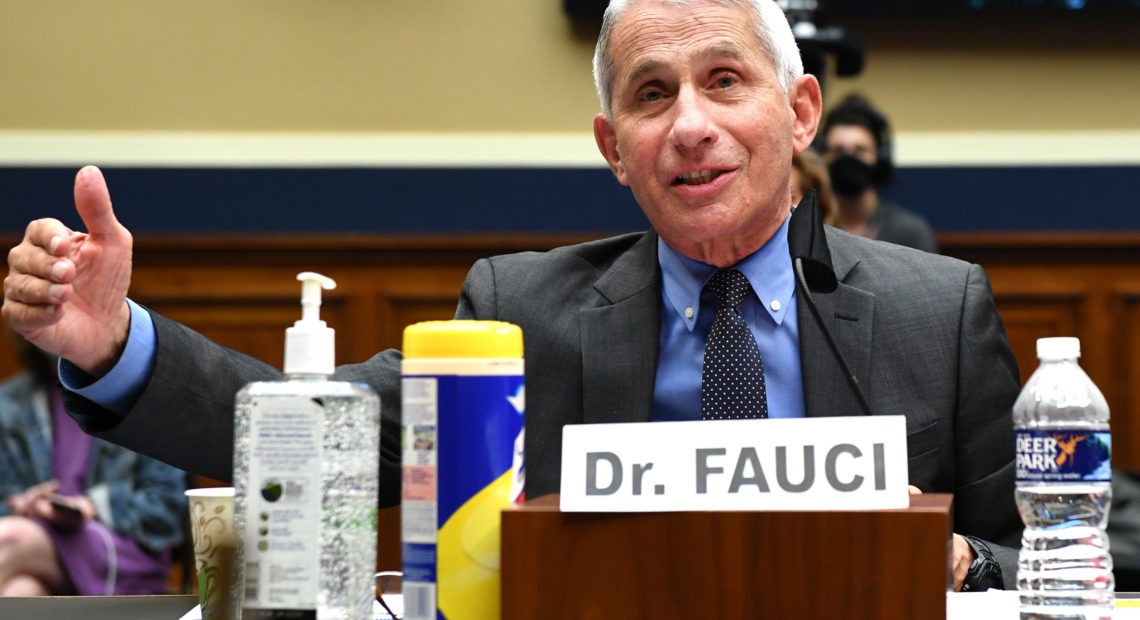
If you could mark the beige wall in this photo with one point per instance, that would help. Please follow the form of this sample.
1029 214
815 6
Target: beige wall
493 65
1011 74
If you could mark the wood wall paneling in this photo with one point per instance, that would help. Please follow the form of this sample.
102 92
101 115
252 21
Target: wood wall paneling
1027 318
242 292
1071 284
1124 359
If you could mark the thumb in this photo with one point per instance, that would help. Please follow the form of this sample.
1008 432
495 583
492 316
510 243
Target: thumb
93 202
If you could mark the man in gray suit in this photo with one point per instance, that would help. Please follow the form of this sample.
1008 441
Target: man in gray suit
703 105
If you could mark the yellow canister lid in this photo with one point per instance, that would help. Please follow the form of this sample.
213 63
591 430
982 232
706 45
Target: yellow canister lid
463 339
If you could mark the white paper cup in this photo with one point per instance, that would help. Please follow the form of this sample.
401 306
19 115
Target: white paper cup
211 523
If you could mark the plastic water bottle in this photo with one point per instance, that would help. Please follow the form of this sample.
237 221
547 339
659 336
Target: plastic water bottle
1064 489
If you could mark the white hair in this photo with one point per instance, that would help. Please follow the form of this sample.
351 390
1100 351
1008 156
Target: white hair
772 31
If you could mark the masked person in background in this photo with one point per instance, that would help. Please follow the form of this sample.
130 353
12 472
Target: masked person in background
856 145
78 515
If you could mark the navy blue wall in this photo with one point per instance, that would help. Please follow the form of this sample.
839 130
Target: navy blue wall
1022 198
470 200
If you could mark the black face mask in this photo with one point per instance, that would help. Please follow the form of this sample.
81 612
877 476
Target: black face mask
850 175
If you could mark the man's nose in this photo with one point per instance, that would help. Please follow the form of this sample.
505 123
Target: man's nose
692 126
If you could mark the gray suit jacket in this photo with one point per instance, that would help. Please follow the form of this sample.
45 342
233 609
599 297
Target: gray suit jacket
920 332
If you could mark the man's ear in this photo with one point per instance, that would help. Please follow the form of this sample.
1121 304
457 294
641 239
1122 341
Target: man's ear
807 104
607 143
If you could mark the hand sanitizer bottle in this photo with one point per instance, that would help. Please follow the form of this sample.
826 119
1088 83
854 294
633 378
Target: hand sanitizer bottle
306 466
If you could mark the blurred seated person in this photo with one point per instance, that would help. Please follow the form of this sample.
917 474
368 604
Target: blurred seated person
126 510
856 145
809 172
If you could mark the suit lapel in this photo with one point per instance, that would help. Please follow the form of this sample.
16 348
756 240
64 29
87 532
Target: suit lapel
849 314
620 340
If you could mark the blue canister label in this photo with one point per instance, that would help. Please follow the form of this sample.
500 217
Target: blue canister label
1064 455
462 438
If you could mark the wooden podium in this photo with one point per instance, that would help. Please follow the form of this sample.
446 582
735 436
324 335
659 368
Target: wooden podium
881 565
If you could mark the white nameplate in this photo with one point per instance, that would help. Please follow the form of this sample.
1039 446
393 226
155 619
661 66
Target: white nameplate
841 463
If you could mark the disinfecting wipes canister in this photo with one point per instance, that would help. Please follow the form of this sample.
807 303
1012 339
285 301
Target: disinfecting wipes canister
463 402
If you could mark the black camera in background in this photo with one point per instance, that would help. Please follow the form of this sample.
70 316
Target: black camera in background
593 9
917 8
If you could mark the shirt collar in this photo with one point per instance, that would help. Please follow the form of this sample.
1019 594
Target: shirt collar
768 270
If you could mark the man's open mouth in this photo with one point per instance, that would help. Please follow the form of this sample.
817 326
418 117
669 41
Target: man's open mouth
696 177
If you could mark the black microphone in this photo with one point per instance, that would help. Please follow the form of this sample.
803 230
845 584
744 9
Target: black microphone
811 262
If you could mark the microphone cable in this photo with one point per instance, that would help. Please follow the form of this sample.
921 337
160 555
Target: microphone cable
852 380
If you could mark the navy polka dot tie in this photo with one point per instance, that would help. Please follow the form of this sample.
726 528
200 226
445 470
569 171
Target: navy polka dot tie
732 382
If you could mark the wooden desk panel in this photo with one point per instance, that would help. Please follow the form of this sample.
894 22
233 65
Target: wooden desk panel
854 565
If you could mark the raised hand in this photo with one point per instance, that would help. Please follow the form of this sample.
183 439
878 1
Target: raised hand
66 290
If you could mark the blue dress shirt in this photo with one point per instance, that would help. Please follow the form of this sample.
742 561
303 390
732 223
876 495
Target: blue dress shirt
118 390
687 315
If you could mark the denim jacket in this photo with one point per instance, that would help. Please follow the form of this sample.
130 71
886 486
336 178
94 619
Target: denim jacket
137 496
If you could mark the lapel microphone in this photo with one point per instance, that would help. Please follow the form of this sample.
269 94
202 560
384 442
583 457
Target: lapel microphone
811 262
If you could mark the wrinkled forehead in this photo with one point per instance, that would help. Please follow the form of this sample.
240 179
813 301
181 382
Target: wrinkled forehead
644 64
651 35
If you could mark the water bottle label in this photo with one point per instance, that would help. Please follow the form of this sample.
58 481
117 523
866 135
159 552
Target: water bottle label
1064 455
